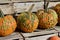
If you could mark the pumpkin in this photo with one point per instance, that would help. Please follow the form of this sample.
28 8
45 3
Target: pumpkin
27 22
47 18
54 38
57 9
7 24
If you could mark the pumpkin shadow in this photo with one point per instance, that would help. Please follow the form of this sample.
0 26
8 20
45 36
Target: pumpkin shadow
49 38
51 7
18 30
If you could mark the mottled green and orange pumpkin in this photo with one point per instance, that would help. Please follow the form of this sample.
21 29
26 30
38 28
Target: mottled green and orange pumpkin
27 22
7 24
47 19
57 9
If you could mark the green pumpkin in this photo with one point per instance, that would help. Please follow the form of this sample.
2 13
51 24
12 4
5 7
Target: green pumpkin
27 22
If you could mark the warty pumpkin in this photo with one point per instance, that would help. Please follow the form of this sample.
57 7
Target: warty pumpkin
7 24
27 21
47 17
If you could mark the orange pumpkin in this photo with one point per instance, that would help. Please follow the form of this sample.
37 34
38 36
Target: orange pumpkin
47 19
54 38
57 9
7 24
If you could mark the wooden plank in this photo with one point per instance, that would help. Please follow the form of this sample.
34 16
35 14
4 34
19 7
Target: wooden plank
5 1
8 1
58 28
15 35
39 32
26 0
30 0
21 7
41 37
6 9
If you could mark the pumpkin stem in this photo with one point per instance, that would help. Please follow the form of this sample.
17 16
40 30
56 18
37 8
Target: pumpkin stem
46 5
1 13
29 10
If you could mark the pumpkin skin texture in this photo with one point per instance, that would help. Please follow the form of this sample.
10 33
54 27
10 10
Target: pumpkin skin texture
54 38
47 19
7 25
57 9
27 22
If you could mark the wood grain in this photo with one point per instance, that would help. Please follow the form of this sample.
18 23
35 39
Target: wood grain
21 7
8 1
41 37
15 35
39 32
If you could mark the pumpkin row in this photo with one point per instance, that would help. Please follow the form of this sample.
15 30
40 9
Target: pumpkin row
28 21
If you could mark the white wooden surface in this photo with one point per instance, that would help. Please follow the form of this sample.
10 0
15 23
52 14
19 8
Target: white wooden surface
5 1
7 9
8 1
41 37
39 32
21 7
15 35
